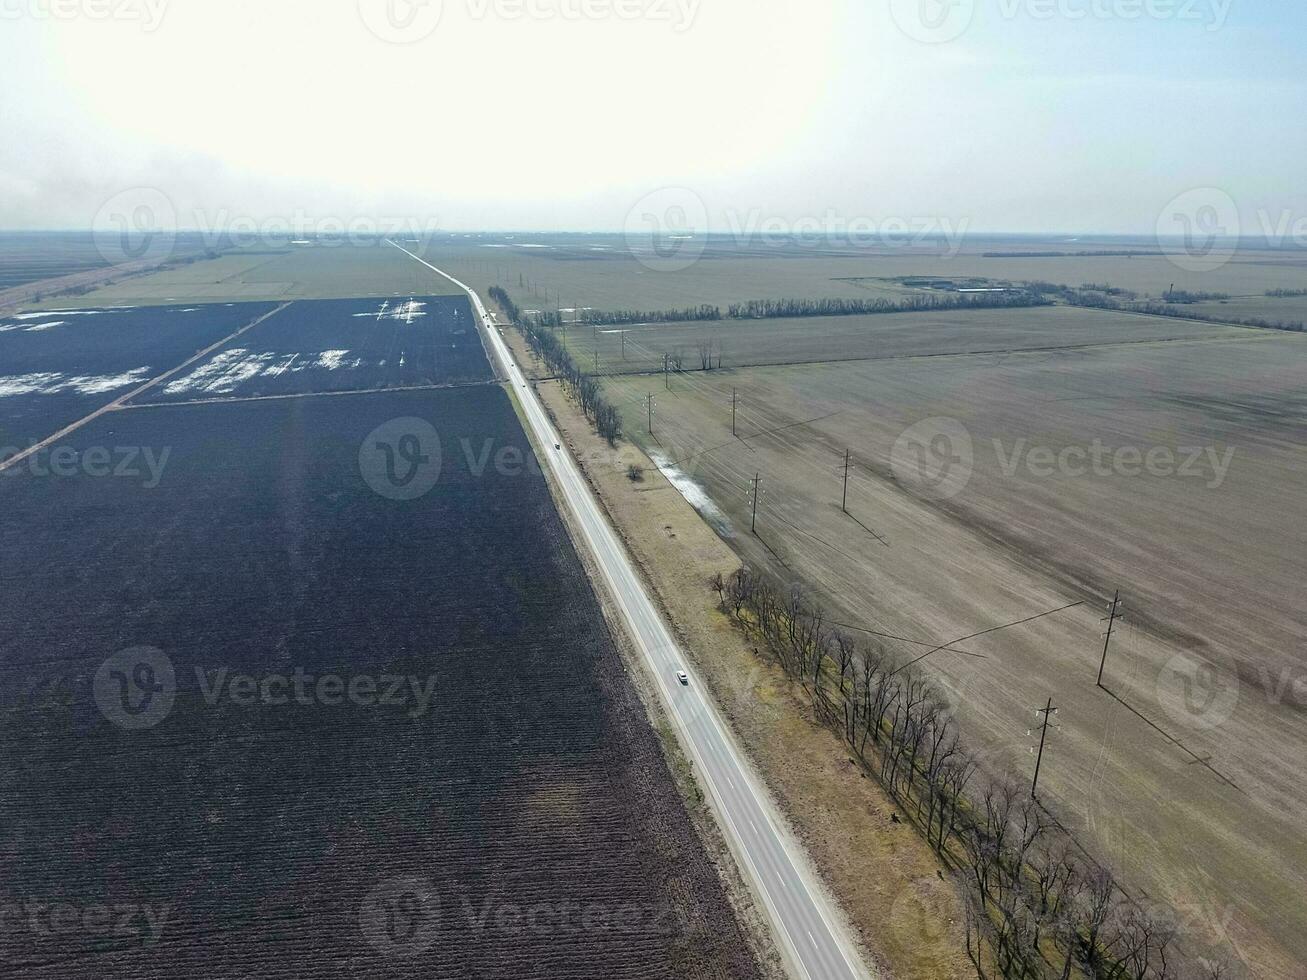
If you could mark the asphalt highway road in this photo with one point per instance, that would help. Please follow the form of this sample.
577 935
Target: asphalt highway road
800 915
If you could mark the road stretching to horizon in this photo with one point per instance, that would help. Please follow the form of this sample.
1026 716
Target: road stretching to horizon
800 915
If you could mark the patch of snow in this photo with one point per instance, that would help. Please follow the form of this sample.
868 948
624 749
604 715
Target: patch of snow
45 326
277 369
407 311
53 383
96 386
39 316
695 495
26 384
230 369
224 373
334 359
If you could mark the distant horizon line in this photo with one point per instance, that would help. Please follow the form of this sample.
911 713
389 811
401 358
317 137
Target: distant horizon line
1065 236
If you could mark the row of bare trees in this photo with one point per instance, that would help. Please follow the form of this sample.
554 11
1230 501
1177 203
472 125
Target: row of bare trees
583 387
500 296
1171 306
689 314
764 309
1037 906
773 308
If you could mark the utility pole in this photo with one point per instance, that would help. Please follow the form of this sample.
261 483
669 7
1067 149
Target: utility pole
650 405
596 360
753 524
843 505
1112 612
623 345
667 376
1043 735
734 399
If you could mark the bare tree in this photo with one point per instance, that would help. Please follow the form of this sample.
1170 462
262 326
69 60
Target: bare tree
1094 915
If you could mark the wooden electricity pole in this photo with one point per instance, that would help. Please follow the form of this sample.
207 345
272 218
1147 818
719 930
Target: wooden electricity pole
734 398
1112 613
667 376
649 402
753 524
1043 736
844 505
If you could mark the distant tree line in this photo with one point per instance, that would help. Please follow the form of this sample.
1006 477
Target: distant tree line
1156 308
1088 254
766 309
1286 293
1036 907
689 314
583 387
1185 296
1095 299
1102 287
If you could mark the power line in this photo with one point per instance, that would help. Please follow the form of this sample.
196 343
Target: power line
992 629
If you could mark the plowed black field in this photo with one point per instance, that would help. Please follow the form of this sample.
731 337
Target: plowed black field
341 345
505 812
58 367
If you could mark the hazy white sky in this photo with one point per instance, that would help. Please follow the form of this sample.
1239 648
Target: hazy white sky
1017 115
